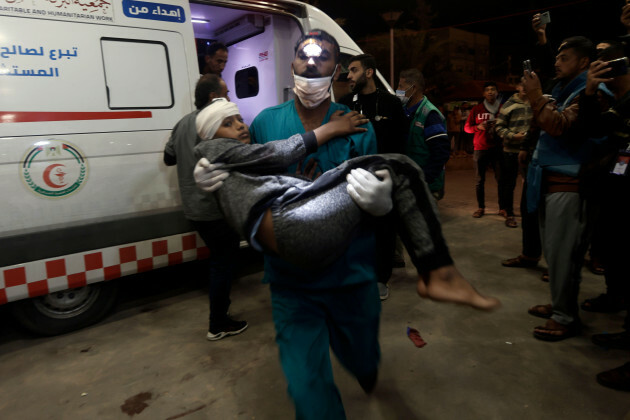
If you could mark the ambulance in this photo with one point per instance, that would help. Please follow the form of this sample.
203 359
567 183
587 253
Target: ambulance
89 92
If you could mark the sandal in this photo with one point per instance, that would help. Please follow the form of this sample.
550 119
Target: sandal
511 222
554 331
503 213
541 311
596 267
520 261
478 213
545 277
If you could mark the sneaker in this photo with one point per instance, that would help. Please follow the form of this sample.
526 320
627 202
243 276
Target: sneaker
383 290
231 327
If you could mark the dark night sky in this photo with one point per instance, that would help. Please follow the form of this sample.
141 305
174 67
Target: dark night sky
507 23
569 17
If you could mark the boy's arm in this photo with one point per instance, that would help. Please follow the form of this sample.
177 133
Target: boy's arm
340 125
261 158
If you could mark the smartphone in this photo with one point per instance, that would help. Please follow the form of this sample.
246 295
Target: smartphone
618 67
545 18
527 66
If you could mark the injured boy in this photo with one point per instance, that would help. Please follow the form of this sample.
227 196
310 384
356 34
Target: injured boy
274 212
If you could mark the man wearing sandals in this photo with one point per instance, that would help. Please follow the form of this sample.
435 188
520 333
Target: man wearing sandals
513 123
553 186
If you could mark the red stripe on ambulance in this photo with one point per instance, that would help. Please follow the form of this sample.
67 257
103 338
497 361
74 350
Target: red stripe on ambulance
22 117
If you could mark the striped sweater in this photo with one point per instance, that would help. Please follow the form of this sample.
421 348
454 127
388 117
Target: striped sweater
515 117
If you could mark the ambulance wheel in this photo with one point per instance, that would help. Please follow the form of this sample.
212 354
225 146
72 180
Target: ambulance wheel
66 310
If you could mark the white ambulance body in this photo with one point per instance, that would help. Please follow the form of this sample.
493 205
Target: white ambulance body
89 92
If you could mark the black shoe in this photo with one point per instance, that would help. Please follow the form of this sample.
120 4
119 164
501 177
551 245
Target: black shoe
618 378
613 341
604 303
398 261
368 382
230 327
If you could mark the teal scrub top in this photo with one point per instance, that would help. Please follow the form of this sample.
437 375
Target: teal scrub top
357 264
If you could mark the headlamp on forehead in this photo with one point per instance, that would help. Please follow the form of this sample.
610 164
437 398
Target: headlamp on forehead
311 49
310 44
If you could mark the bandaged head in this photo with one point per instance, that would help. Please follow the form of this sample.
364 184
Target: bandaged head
210 118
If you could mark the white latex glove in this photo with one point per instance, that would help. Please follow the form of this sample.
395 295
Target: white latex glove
208 176
370 193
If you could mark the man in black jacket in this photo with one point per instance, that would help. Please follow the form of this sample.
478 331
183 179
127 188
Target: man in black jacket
607 182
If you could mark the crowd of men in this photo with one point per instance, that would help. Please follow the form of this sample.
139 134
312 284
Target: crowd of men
571 145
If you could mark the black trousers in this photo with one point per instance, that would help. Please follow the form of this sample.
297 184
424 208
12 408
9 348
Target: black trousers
483 160
507 181
223 244
614 209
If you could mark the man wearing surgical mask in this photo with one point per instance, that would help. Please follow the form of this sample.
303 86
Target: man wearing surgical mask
428 143
336 306
315 66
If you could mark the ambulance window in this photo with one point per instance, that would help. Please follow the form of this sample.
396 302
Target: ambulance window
246 82
137 74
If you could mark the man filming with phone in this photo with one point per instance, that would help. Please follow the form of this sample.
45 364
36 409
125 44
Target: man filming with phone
553 186
607 182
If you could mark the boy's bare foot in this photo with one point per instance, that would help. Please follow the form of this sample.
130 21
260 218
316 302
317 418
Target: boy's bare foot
446 284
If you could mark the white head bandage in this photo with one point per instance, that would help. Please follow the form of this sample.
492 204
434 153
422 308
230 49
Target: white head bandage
210 118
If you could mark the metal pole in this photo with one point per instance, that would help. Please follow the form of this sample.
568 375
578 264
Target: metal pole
391 57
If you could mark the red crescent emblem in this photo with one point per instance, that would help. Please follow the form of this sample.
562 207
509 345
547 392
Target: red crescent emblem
46 176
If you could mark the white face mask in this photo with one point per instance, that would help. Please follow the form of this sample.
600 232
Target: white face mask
312 92
400 94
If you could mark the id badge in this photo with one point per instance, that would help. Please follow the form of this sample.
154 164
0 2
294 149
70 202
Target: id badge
622 160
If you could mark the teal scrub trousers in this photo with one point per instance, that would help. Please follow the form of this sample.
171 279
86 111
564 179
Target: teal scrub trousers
311 321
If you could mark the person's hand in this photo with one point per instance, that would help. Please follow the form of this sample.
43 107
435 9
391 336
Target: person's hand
482 126
539 30
311 169
531 82
519 136
370 193
625 17
344 124
596 74
209 177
